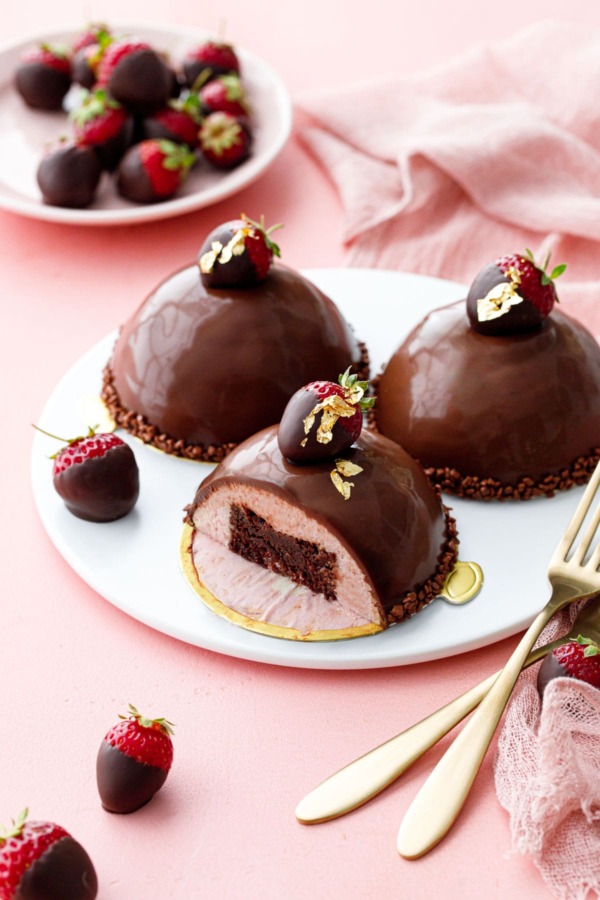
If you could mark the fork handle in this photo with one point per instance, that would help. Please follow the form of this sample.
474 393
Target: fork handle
440 800
367 776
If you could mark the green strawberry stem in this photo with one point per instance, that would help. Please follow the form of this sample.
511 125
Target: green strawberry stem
164 724
545 278
591 647
266 232
17 827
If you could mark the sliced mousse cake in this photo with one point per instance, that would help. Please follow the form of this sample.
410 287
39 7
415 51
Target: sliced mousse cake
312 530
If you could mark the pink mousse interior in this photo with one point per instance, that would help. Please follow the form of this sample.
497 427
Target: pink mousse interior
268 597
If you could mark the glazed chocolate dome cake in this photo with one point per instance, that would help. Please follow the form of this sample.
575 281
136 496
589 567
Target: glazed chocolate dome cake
500 399
320 549
218 348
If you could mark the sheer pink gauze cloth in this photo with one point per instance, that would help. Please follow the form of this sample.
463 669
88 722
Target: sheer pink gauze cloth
496 151
547 773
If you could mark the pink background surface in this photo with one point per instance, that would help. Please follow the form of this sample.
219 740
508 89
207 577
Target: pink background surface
251 740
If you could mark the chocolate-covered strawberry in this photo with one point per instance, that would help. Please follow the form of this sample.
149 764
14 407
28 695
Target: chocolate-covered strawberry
87 56
43 76
133 761
103 124
224 140
96 476
68 175
208 61
41 861
579 658
135 75
512 295
224 94
153 170
178 121
322 419
237 254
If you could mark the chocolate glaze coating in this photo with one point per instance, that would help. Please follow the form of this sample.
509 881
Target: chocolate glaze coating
238 271
124 784
291 432
63 872
393 523
82 72
141 81
69 175
521 317
133 182
550 669
214 366
40 86
497 407
103 488
111 151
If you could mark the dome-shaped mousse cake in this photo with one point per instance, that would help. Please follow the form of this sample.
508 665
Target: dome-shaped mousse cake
202 366
319 549
500 399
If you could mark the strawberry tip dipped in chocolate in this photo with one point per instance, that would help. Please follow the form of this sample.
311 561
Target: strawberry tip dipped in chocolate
135 75
68 175
43 76
237 254
498 396
579 658
512 294
323 418
154 170
133 761
96 475
88 50
105 125
41 861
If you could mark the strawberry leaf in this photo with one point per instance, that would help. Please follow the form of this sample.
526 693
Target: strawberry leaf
557 271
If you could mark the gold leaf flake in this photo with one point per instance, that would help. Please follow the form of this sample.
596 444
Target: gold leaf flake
208 259
344 487
333 408
303 443
347 468
498 302
235 246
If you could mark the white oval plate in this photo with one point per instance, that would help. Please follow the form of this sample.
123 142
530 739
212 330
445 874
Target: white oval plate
24 132
134 563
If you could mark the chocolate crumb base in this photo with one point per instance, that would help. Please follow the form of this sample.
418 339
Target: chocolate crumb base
414 601
471 487
141 428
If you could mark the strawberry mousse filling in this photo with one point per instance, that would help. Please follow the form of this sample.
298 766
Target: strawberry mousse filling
268 560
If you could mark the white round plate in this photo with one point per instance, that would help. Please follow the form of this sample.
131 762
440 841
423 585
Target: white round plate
24 132
134 563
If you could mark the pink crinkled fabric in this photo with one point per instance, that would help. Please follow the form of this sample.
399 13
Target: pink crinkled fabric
495 151
547 773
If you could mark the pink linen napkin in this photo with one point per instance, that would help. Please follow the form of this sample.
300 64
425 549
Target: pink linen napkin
547 773
496 151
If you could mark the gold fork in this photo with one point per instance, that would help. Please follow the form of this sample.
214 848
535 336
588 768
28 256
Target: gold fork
367 776
440 800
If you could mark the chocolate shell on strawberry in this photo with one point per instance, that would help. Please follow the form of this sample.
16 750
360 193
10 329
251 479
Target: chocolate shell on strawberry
43 76
498 396
68 175
323 419
178 121
41 861
153 170
209 60
133 761
133 73
96 475
103 124
217 349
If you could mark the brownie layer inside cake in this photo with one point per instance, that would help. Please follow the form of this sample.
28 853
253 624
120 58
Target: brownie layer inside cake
303 561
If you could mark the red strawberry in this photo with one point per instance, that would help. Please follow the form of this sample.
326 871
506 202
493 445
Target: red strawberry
97 476
512 295
95 33
43 76
208 61
133 761
102 123
87 56
322 419
42 860
153 170
575 659
237 254
224 140
179 121
135 75
224 94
